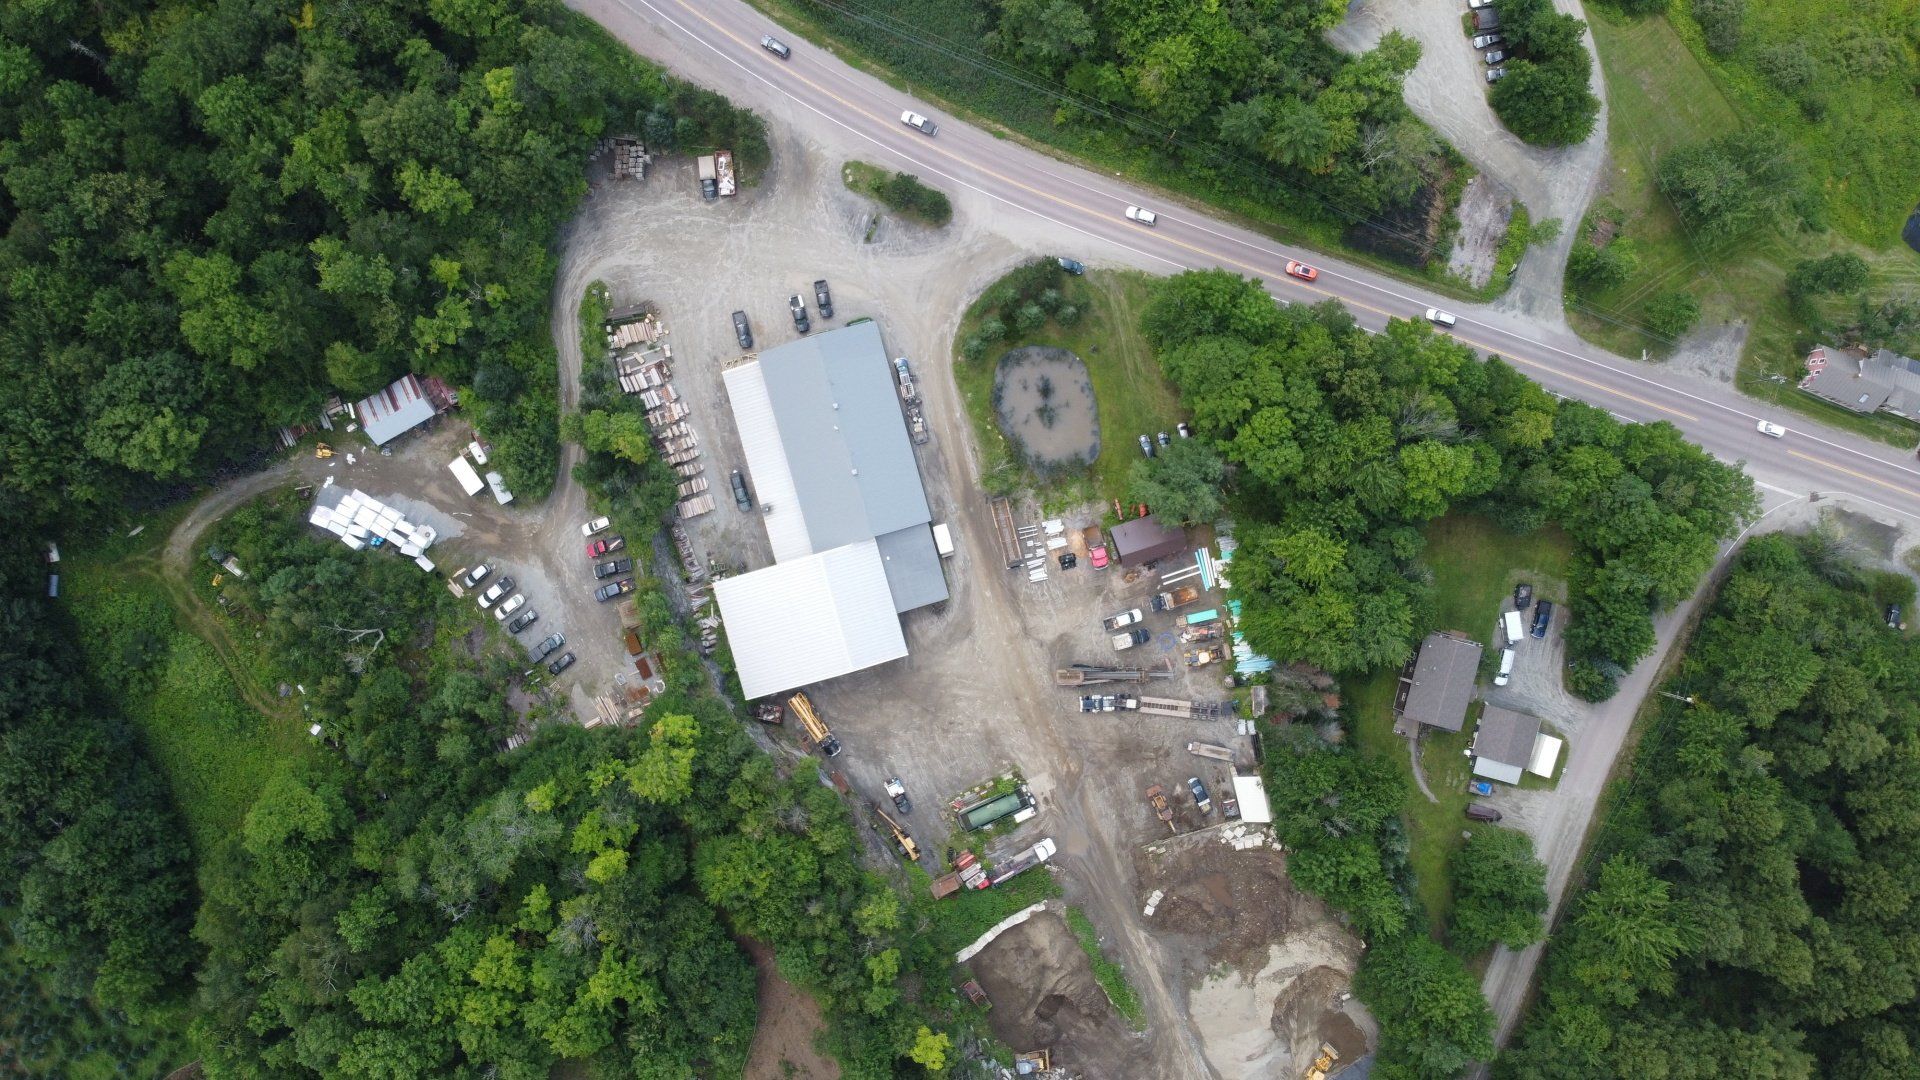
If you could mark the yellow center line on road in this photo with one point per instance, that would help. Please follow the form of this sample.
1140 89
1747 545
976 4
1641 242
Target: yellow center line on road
1856 475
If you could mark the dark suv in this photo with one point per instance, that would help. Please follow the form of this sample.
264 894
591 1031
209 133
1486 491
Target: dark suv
740 497
541 651
560 665
740 330
1542 617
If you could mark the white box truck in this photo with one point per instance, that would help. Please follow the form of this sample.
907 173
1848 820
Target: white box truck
943 540
464 473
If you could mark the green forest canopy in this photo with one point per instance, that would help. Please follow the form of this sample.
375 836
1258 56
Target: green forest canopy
1755 914
219 214
1345 442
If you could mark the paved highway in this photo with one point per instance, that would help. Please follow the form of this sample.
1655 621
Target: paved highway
716 43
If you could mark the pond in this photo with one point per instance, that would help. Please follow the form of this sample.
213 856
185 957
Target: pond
1045 404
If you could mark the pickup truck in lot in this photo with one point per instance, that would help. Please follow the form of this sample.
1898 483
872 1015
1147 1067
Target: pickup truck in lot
1124 618
798 308
612 589
823 299
612 568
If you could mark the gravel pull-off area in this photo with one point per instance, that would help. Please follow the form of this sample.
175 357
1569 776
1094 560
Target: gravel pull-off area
1448 89
1485 209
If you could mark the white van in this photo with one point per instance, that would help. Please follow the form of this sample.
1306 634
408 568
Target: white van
1515 626
1506 667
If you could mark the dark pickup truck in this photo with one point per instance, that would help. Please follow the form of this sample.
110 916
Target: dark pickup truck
612 589
823 299
612 568
799 309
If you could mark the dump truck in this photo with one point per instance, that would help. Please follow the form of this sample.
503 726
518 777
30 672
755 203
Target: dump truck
1176 598
1157 798
709 177
902 840
770 712
1136 636
1212 631
817 731
1024 861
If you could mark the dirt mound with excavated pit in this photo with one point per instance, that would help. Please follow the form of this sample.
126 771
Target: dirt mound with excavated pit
1268 967
1045 997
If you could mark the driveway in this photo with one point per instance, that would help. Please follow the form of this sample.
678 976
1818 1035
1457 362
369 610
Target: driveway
1448 89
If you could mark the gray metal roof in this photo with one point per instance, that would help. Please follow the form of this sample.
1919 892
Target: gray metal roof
1443 681
1885 380
913 567
400 407
846 442
1506 736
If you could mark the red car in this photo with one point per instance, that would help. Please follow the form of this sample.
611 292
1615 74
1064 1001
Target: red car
1301 270
597 548
1098 557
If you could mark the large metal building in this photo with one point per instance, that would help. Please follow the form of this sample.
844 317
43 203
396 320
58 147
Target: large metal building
845 511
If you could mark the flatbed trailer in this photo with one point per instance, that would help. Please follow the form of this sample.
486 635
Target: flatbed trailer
1187 710
1007 535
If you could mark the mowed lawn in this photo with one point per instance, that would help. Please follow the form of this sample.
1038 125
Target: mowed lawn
1662 97
1129 392
1475 566
215 750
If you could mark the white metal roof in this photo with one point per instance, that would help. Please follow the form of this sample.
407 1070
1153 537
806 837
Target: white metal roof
804 620
1546 754
1251 794
1496 770
767 461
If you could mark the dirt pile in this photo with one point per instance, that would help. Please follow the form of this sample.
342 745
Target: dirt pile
1269 967
1044 996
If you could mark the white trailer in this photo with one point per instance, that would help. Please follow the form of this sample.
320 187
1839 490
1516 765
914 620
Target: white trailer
943 540
464 473
499 485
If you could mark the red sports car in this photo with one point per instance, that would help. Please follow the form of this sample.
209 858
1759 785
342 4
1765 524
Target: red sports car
1301 270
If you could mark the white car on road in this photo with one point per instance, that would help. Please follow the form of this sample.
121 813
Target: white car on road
1769 428
599 524
1440 318
1141 215
919 123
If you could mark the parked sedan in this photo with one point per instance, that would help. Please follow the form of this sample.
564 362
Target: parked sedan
1495 74
1072 266
545 648
1494 56
1485 40
919 123
1146 446
560 665
1141 215
522 621
741 331
509 606
597 525
476 575
1301 270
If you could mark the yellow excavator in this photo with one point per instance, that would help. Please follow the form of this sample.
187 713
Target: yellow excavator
322 450
901 838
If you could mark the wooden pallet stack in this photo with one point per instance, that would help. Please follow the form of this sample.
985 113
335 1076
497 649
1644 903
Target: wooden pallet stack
630 159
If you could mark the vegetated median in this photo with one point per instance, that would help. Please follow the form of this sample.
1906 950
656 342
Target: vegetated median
1111 976
1205 100
902 192
1726 186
